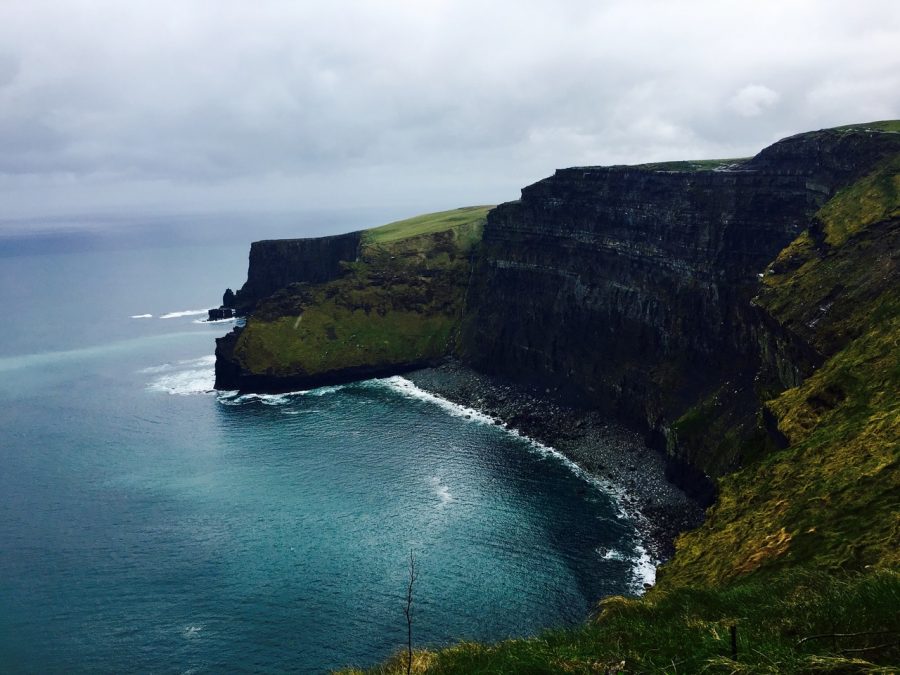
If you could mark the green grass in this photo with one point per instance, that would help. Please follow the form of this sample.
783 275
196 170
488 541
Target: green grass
883 125
425 224
875 197
688 631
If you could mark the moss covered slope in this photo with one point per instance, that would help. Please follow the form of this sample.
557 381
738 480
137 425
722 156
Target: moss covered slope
398 304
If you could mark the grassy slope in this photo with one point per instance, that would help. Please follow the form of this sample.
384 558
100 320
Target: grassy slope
401 302
687 630
804 541
426 224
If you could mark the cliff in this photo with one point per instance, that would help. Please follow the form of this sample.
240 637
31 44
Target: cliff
796 567
644 276
275 263
746 313
391 304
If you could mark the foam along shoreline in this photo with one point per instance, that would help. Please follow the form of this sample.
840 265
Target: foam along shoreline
643 565
597 448
196 376
228 320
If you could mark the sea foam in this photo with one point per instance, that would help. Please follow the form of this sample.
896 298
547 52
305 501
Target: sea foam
228 320
643 566
184 312
190 376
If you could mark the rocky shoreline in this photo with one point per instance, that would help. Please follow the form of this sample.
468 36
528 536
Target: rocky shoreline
603 448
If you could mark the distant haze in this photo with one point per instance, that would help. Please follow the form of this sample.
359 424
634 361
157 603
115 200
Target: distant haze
401 106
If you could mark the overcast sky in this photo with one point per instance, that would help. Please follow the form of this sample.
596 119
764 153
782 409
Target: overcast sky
195 106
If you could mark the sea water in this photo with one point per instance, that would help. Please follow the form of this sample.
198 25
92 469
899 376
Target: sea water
150 524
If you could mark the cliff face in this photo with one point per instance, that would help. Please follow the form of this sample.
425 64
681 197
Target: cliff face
275 263
394 306
630 287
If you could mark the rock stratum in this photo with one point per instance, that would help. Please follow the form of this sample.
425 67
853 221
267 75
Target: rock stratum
745 314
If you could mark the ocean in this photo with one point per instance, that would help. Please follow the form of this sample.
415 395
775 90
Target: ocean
150 524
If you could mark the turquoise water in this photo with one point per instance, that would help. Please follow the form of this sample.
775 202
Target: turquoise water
150 525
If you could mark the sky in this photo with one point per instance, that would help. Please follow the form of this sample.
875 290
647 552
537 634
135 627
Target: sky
111 108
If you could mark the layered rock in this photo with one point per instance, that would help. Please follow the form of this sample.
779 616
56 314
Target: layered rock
275 263
630 287
626 288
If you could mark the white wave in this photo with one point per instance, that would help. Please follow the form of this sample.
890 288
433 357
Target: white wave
612 554
141 316
403 386
643 569
643 565
229 320
409 389
236 398
190 376
186 312
322 391
208 360
441 490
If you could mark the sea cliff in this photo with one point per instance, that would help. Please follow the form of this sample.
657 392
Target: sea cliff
374 303
276 263
745 315
633 285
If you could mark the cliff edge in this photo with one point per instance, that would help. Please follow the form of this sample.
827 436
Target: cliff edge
369 304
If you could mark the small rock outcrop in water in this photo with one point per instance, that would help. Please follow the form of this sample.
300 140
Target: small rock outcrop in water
220 313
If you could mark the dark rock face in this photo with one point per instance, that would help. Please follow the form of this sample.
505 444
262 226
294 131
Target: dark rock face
631 286
275 263
219 313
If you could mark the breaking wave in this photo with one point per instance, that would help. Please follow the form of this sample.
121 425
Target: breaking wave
643 566
185 312
191 376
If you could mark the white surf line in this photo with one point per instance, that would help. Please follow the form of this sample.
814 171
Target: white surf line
184 312
643 565
234 397
141 316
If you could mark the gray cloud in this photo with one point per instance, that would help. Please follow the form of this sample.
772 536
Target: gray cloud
217 105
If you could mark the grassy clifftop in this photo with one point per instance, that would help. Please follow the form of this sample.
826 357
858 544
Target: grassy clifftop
399 303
